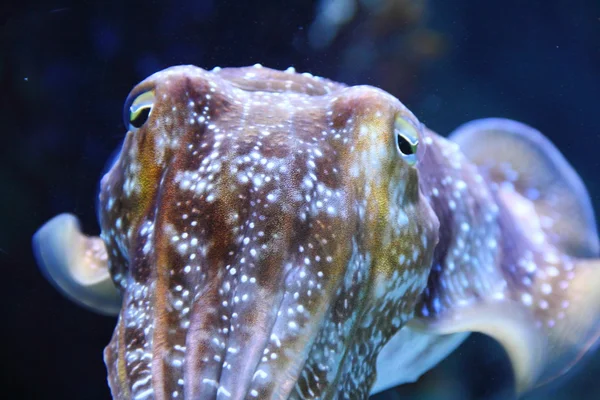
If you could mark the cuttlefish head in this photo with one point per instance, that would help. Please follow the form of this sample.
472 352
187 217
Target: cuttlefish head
265 230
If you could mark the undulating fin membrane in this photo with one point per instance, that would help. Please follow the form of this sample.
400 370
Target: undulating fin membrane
409 354
517 156
76 264
548 314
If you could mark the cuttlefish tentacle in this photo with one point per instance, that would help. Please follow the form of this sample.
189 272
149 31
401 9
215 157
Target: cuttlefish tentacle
278 235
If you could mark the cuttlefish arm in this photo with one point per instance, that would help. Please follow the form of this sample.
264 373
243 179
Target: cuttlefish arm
536 288
76 264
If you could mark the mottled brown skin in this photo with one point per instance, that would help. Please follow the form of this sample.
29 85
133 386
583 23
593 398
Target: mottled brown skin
276 235
337 295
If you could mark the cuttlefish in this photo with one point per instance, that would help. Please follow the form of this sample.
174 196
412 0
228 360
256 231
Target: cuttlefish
275 235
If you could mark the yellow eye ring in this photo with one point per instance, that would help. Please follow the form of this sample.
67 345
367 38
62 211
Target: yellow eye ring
407 140
138 110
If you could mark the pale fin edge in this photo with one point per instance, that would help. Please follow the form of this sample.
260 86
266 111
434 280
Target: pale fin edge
410 353
508 323
510 152
76 264
538 353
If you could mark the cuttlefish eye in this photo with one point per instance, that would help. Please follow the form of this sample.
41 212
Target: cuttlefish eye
407 140
138 109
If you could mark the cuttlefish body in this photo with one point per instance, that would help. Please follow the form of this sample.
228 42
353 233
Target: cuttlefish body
275 235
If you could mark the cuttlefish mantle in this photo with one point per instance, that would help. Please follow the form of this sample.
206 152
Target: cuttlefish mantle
273 235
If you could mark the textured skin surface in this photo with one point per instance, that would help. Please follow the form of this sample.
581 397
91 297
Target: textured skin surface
248 226
270 232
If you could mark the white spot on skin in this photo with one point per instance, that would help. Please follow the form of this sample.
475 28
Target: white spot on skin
258 180
526 299
546 288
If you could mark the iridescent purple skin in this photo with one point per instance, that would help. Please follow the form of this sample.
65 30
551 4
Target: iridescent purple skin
269 235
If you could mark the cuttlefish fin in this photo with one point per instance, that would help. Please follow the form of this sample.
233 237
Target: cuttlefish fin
76 264
540 349
577 332
547 198
410 353
507 322
542 301
518 157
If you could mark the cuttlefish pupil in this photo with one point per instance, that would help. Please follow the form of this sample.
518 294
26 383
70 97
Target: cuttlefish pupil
407 140
139 111
274 235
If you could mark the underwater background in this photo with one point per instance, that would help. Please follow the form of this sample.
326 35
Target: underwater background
66 68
